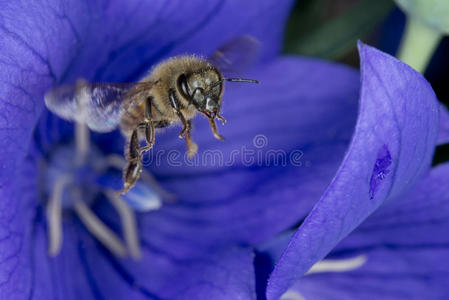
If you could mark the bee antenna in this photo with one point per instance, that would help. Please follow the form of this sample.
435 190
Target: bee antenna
241 80
233 80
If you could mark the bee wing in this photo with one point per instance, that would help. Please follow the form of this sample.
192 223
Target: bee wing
236 54
98 105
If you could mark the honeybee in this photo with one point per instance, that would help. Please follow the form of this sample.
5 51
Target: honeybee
174 91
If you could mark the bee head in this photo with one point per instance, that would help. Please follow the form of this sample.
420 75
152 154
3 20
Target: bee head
203 91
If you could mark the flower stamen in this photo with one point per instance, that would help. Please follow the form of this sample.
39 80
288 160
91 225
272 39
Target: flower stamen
292 295
338 265
98 229
74 180
328 265
54 216
82 137
128 220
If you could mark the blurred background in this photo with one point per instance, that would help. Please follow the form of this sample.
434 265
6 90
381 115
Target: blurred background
329 29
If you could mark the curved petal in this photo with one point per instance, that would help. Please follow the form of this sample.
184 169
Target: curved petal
405 246
392 146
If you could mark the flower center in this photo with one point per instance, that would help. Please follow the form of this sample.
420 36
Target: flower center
65 173
78 174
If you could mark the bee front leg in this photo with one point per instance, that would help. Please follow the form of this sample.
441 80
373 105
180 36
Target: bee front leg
213 126
192 148
131 172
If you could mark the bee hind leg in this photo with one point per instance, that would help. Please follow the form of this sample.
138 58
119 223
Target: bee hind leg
118 162
133 152
130 175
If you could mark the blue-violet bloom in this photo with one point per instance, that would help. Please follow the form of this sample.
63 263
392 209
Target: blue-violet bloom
291 134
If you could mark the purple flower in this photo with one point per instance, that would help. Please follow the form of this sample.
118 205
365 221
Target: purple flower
291 134
399 252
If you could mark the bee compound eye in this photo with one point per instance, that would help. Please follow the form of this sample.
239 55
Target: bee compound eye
198 96
211 104
182 86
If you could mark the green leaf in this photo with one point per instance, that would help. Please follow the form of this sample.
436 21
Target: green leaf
307 34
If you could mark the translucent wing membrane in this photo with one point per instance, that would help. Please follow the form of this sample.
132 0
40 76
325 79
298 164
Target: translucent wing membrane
98 105
236 55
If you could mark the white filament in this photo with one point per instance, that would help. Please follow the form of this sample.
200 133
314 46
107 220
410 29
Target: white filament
328 265
54 216
292 295
82 139
338 265
128 220
82 142
99 230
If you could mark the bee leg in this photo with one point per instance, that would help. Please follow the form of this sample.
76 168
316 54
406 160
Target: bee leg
192 148
118 162
148 127
149 136
213 126
132 171
130 175
221 118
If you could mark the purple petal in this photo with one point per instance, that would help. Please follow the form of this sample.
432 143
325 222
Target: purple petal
16 219
391 148
24 74
443 133
85 270
406 247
